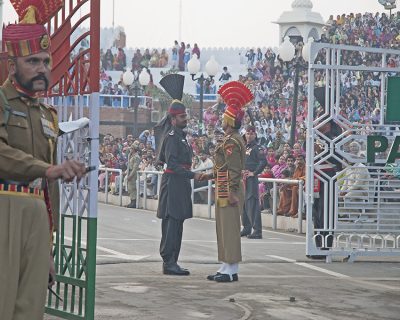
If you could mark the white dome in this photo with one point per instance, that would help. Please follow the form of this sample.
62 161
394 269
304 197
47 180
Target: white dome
302 4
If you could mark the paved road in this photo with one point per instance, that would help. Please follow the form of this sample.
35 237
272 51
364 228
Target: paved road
130 284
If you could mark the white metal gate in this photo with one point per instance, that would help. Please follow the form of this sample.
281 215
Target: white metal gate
75 241
352 197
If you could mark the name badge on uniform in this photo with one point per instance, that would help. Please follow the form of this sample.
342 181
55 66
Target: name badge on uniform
48 128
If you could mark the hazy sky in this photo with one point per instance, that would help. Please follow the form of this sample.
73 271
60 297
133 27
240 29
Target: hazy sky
210 23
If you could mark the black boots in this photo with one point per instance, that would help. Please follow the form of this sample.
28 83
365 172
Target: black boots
132 204
174 269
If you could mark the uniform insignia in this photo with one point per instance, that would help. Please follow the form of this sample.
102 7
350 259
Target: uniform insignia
172 133
229 149
19 114
44 42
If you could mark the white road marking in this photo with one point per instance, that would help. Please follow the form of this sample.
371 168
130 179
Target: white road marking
310 266
116 254
364 283
202 241
131 257
201 279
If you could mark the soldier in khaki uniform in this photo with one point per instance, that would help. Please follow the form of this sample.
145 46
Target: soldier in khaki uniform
133 168
28 133
229 161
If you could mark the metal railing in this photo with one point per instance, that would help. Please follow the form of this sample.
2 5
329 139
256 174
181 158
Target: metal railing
107 170
210 97
124 101
209 187
275 198
144 174
108 100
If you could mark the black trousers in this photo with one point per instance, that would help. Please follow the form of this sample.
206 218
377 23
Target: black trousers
171 240
251 217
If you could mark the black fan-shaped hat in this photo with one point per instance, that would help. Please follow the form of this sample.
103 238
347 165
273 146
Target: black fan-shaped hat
173 84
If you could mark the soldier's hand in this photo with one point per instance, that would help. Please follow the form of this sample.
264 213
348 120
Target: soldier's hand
207 176
66 171
198 176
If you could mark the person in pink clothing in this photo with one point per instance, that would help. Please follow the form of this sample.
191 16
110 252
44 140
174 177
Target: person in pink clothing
278 168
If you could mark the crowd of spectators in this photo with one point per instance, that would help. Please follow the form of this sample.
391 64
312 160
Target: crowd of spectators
115 58
272 82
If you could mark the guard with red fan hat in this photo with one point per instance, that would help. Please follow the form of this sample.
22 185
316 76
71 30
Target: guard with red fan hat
28 135
229 160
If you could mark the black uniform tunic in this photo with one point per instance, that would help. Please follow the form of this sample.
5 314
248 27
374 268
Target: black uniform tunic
175 202
255 162
175 192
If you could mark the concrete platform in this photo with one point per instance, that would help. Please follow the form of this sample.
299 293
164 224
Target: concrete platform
276 280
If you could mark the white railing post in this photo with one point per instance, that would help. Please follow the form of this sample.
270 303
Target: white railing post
274 198
138 189
106 185
120 183
300 208
145 190
120 187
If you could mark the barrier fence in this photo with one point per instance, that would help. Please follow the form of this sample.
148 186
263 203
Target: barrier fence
275 200
108 100
142 196
120 180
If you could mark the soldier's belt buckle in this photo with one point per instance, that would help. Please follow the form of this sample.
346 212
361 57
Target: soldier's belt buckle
37 184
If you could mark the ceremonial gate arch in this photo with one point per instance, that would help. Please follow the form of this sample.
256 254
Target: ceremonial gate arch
358 193
75 33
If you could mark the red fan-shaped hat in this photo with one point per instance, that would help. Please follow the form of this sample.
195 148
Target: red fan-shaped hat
236 96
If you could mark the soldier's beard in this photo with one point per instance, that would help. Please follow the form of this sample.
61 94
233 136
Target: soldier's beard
29 85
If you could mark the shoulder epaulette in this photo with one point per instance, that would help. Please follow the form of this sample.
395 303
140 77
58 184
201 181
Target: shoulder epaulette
49 107
54 114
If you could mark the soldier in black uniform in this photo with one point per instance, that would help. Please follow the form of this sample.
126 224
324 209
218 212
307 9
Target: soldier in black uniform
254 165
175 203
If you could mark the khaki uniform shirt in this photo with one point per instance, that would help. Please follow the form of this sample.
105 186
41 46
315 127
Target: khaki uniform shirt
27 140
133 168
229 162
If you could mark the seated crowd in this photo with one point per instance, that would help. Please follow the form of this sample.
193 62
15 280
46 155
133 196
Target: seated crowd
272 83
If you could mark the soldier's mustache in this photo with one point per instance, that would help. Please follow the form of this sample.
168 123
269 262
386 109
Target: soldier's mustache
41 77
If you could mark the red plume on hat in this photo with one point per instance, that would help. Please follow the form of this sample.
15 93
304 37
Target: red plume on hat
44 9
236 96
30 36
